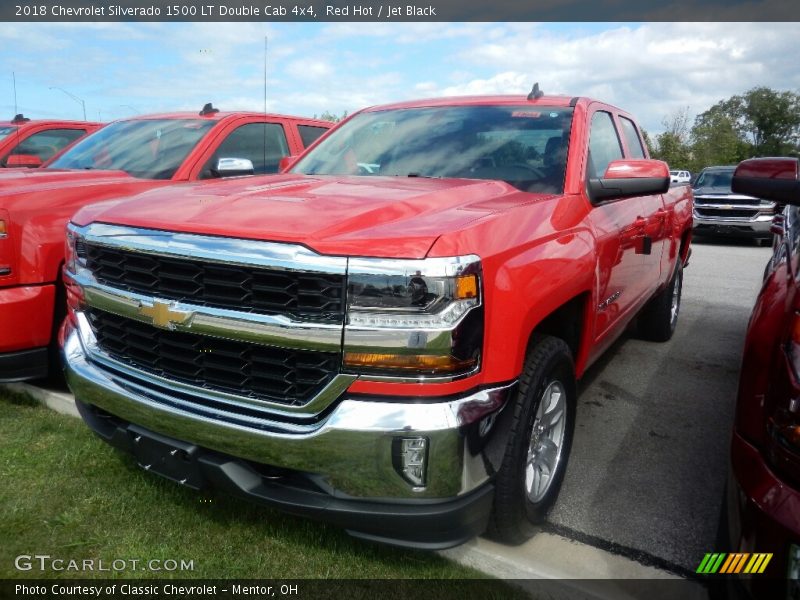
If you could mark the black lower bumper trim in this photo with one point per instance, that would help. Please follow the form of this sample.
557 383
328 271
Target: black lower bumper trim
23 365
425 524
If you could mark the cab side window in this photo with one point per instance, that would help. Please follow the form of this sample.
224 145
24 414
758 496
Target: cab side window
262 143
47 144
309 134
632 139
604 144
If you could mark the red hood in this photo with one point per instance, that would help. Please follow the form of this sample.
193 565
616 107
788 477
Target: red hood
25 180
368 216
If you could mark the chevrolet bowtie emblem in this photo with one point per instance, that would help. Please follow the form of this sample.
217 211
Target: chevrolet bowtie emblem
161 315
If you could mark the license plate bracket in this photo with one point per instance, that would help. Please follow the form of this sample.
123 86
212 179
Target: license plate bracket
169 458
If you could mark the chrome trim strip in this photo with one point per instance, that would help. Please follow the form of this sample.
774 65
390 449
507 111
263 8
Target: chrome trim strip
269 330
350 449
232 251
449 266
335 388
419 379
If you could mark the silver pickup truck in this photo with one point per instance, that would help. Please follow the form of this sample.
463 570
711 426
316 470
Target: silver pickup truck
718 211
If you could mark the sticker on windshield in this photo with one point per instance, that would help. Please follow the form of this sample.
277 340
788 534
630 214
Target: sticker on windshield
525 114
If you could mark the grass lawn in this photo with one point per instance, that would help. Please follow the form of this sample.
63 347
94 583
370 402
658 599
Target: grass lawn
65 493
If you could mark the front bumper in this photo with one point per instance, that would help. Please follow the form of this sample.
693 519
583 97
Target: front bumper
26 326
765 517
757 226
347 454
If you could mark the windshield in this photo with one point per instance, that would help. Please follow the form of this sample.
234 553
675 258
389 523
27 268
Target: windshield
5 131
526 146
715 179
145 148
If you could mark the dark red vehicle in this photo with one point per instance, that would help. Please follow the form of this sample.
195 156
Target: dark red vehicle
31 143
764 494
387 336
123 158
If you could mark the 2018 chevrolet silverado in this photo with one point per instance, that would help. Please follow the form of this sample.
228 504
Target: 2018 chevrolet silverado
125 157
387 336
719 211
31 143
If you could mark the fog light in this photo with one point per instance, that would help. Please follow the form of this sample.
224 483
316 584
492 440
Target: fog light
410 459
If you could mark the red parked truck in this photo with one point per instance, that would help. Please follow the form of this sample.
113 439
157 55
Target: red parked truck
125 157
31 143
389 335
764 490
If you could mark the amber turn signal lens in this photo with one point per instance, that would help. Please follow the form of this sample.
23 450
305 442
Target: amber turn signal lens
407 362
466 287
3 229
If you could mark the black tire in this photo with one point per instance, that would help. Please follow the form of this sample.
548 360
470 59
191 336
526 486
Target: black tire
657 320
515 515
55 373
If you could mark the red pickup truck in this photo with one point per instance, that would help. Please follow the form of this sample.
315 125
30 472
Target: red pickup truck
28 143
126 157
388 336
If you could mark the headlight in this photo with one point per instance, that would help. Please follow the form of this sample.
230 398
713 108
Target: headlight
75 250
414 318
74 259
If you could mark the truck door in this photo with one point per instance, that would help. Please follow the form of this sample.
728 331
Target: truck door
619 227
656 230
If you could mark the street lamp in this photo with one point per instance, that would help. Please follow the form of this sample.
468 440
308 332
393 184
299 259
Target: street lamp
74 97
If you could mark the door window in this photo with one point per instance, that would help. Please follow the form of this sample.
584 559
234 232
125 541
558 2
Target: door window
47 144
262 143
604 144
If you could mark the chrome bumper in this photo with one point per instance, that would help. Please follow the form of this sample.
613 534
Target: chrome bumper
349 451
759 224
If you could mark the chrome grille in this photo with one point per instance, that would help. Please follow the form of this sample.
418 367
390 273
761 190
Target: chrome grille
279 375
319 296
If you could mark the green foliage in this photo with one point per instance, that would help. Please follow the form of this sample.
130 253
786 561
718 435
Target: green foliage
332 117
65 493
760 122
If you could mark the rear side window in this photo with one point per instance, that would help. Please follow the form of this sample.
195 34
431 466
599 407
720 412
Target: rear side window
604 145
262 143
632 138
47 144
309 134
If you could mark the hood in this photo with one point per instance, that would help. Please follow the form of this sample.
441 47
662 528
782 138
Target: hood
13 180
361 216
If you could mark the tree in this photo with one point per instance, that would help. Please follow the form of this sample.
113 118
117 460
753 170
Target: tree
329 116
672 144
716 140
760 122
771 120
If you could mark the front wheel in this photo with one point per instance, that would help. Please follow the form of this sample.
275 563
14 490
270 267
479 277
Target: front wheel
535 458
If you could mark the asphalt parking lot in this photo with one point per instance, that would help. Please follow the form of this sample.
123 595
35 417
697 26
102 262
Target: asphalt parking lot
649 459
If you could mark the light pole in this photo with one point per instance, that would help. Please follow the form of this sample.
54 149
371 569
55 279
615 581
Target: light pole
74 97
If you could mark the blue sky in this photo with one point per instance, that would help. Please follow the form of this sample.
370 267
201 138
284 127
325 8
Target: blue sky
652 70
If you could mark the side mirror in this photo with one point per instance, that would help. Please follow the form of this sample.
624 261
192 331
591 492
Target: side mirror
286 163
234 167
23 160
623 178
776 179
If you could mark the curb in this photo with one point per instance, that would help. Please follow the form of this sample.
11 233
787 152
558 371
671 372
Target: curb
546 556
61 402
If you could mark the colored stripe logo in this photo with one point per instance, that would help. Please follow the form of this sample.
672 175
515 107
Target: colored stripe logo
742 562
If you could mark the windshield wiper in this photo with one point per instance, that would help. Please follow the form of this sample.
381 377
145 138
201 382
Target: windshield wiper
424 176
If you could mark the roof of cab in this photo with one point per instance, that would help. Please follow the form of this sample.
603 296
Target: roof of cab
219 116
30 122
